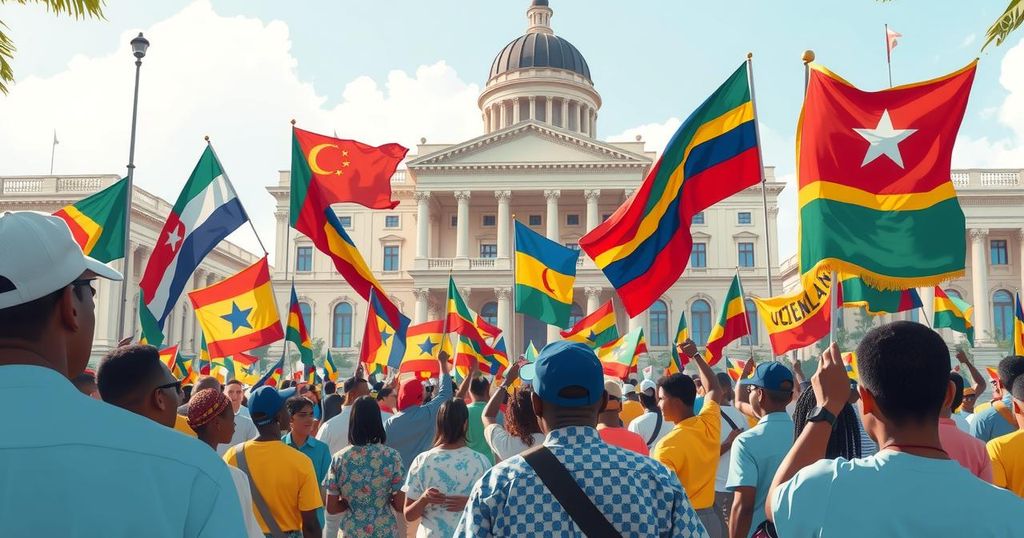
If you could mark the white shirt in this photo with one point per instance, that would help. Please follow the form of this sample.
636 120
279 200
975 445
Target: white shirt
722 474
334 432
452 472
505 445
643 426
245 430
252 527
243 410
79 466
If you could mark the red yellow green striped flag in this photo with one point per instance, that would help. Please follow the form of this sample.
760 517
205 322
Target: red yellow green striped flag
875 198
953 313
619 357
595 330
734 369
297 332
677 361
97 222
732 323
857 293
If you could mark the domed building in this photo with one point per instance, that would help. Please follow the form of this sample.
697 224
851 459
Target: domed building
540 162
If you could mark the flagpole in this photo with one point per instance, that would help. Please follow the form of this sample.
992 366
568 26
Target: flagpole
512 317
760 167
287 257
888 54
53 150
746 315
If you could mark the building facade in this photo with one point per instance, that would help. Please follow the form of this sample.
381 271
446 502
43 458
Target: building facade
993 204
50 193
538 161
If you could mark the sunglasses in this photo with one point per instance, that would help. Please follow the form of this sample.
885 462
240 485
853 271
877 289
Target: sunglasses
176 385
84 282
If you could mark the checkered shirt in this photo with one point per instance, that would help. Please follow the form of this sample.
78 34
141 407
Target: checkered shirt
638 495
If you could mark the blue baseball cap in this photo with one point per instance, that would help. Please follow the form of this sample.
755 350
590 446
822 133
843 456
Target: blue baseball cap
565 364
266 402
771 376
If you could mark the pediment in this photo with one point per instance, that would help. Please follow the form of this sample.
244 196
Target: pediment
532 145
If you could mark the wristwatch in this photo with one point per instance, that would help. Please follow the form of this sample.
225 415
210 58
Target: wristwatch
820 414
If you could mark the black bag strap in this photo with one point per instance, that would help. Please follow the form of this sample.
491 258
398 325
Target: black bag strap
568 493
257 499
657 428
729 420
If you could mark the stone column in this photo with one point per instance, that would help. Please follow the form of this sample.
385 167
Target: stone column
504 296
501 115
565 114
551 195
504 198
282 243
593 299
928 302
581 119
132 264
593 211
533 108
593 123
547 111
422 300
515 110
979 281
1020 249
487 120
462 225
422 223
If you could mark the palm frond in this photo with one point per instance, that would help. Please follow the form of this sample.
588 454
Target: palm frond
1010 20
79 9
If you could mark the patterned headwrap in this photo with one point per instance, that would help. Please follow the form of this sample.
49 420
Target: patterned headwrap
205 405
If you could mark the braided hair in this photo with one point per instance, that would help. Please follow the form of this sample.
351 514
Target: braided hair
844 442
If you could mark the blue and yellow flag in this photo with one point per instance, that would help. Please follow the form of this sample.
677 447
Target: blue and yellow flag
545 273
238 313
330 370
1018 329
383 338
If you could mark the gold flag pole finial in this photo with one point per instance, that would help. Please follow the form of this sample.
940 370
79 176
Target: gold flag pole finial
807 56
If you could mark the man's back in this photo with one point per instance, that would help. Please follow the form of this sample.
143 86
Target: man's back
285 479
334 432
966 449
644 427
1007 456
411 431
892 494
637 495
77 465
755 456
994 420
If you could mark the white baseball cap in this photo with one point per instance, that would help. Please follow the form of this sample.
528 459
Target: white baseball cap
648 385
39 256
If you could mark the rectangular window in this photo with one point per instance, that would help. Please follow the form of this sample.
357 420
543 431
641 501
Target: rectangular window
746 254
605 217
698 218
303 259
455 221
391 221
572 219
490 221
488 250
699 256
391 257
535 220
346 221
743 217
999 255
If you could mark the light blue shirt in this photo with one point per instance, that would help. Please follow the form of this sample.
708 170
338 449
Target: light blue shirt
411 432
320 455
989 424
893 494
637 495
75 466
756 455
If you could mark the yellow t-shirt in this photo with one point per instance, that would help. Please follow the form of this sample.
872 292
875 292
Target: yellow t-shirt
1007 455
630 410
181 424
285 478
691 450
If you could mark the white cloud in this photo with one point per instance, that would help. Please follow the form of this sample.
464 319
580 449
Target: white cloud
232 78
1006 152
968 40
654 135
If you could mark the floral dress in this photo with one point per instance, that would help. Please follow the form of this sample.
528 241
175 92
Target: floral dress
453 472
366 476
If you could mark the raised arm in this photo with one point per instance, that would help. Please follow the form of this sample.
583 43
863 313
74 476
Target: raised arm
742 390
490 412
832 390
707 377
798 375
979 381
474 367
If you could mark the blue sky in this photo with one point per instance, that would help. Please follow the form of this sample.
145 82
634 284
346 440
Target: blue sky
651 61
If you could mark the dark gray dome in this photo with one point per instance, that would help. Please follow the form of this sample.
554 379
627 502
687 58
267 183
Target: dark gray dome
540 50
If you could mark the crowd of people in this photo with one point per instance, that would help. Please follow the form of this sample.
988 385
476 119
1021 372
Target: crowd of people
904 450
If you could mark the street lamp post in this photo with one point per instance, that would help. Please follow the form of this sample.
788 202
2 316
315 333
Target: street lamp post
139 46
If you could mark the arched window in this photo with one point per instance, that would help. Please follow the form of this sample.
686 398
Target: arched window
307 316
490 313
342 336
700 319
1002 315
751 340
575 315
658 317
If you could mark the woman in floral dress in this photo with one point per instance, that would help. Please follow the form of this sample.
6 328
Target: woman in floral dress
365 478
